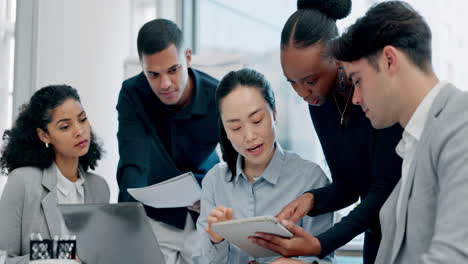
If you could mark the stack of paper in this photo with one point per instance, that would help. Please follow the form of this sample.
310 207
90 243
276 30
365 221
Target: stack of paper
180 191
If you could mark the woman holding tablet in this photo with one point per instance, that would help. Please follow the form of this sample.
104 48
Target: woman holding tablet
259 177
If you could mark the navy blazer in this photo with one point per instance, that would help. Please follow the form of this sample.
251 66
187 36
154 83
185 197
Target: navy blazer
145 159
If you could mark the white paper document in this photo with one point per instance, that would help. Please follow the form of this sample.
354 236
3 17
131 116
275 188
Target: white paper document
180 191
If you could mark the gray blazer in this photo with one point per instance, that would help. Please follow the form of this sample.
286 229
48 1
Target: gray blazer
29 205
432 225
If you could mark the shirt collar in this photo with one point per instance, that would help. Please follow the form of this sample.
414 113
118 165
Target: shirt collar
415 126
405 144
64 185
271 172
418 120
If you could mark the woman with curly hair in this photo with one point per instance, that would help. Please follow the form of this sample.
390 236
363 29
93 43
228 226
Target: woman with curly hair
46 155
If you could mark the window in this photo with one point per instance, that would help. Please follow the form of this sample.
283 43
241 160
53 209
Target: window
142 11
449 40
249 32
7 50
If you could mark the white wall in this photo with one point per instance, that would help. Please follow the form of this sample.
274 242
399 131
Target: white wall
447 20
7 32
84 43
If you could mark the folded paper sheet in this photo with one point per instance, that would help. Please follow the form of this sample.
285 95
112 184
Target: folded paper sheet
180 191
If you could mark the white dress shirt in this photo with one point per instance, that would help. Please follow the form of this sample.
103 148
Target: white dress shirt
68 192
411 136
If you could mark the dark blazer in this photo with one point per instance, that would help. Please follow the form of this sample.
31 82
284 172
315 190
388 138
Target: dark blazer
144 159
29 205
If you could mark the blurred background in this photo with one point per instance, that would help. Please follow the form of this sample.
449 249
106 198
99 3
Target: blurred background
91 45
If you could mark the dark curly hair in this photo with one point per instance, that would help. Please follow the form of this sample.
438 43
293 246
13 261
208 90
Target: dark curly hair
22 146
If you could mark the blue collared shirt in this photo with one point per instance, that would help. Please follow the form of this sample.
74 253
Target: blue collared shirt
286 177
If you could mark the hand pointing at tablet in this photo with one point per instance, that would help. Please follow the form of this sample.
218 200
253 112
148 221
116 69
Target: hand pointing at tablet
218 214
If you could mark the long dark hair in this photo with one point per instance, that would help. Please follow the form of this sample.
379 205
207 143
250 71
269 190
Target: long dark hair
244 77
22 146
313 22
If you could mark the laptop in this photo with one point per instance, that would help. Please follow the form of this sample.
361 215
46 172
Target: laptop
112 233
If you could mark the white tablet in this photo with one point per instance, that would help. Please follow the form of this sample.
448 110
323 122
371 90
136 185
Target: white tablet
237 232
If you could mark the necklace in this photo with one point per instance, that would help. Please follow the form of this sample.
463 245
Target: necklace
344 110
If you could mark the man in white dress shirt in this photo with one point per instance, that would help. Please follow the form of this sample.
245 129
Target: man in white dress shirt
387 54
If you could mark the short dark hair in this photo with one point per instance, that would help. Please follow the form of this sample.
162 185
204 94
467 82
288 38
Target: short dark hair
244 77
157 35
314 21
393 23
22 146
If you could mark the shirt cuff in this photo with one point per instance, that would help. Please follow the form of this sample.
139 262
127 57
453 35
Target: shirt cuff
216 253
